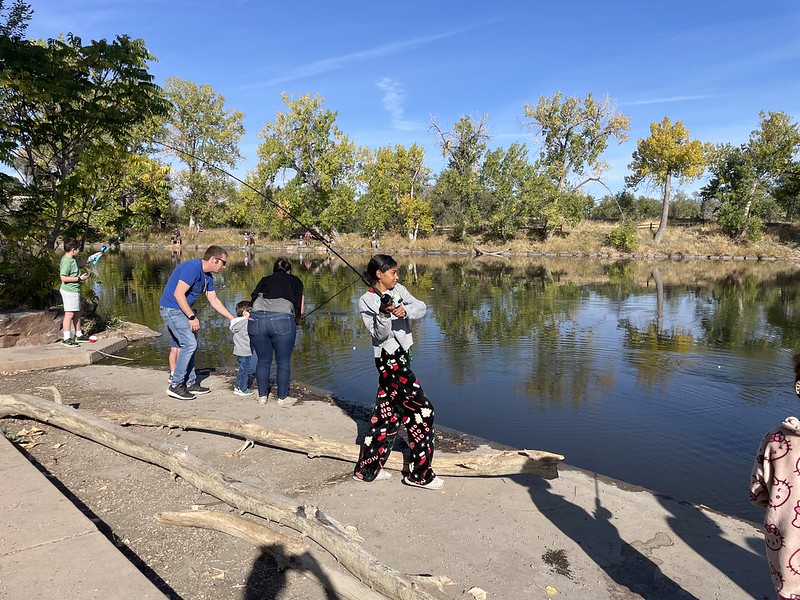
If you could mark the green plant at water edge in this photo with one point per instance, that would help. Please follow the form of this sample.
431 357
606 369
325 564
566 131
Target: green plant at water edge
26 280
624 237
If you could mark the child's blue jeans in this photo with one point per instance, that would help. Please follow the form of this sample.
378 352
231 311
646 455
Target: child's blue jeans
245 372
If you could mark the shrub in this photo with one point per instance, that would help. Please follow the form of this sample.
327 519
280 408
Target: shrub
624 237
26 280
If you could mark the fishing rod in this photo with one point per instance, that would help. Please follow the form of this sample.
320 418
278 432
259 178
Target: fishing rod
313 233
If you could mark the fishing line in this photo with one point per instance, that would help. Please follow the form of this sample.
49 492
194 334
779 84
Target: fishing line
313 233
305 316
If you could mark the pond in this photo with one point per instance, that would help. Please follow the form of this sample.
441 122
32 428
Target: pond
662 374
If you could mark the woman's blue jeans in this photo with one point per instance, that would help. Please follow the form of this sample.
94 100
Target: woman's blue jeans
272 332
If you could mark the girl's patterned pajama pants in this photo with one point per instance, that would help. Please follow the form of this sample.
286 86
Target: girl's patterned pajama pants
400 400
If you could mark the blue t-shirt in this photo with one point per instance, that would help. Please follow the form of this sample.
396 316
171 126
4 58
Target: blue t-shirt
191 273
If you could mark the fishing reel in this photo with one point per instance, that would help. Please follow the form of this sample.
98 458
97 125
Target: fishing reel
387 299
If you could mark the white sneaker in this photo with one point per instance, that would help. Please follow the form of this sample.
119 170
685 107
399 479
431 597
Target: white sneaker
288 401
382 475
262 400
436 483
238 392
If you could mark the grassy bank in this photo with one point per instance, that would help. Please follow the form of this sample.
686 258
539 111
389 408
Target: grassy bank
589 237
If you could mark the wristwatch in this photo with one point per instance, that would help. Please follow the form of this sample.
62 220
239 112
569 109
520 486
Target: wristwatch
192 318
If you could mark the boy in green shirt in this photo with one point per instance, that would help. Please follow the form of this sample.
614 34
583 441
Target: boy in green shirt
71 277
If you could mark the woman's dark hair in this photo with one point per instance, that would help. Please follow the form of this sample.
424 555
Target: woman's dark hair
379 262
282 265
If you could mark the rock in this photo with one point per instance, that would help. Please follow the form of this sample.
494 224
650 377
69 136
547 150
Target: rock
131 332
31 328
42 327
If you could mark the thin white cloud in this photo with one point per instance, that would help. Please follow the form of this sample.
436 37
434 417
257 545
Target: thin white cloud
335 63
394 100
668 99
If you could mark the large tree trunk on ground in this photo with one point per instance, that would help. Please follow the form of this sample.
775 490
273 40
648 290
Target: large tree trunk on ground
509 462
287 551
662 226
311 522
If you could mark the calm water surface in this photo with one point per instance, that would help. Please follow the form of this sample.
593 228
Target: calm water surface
665 375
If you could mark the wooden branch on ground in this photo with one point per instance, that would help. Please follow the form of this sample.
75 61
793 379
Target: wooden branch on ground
508 462
288 551
311 522
479 252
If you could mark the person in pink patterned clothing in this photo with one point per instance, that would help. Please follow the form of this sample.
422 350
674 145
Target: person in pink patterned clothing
775 486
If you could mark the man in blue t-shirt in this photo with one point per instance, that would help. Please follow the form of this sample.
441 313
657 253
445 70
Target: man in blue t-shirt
190 279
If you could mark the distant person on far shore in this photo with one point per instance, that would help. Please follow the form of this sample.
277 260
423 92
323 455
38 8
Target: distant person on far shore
242 350
386 309
775 486
69 272
190 279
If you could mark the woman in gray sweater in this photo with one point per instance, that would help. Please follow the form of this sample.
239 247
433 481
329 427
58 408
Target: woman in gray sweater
386 309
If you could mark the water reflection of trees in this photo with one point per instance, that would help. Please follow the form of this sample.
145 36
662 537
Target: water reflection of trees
495 306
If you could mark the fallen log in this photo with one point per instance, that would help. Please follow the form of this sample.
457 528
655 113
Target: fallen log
310 521
287 551
508 462
479 252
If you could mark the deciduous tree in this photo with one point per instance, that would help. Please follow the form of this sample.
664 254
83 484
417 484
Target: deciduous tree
744 177
313 165
511 185
666 155
202 134
63 105
574 133
458 185
396 179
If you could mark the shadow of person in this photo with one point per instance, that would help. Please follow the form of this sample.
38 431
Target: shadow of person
600 540
265 579
747 567
267 576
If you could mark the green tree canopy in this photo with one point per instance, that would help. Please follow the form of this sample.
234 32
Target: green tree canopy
574 133
313 164
64 106
744 177
511 186
202 134
458 188
396 178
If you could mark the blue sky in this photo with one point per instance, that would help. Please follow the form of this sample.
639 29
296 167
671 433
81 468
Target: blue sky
388 68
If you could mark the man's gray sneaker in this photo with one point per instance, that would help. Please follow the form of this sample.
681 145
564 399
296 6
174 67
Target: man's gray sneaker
179 392
196 389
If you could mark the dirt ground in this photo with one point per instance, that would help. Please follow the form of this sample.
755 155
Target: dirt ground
518 536
122 495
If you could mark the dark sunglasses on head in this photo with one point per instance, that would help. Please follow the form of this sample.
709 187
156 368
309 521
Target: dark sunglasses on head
224 262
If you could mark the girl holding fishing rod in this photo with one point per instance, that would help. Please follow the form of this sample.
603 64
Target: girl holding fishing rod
386 309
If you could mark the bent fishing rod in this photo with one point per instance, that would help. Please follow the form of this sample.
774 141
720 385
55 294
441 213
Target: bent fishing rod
313 232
